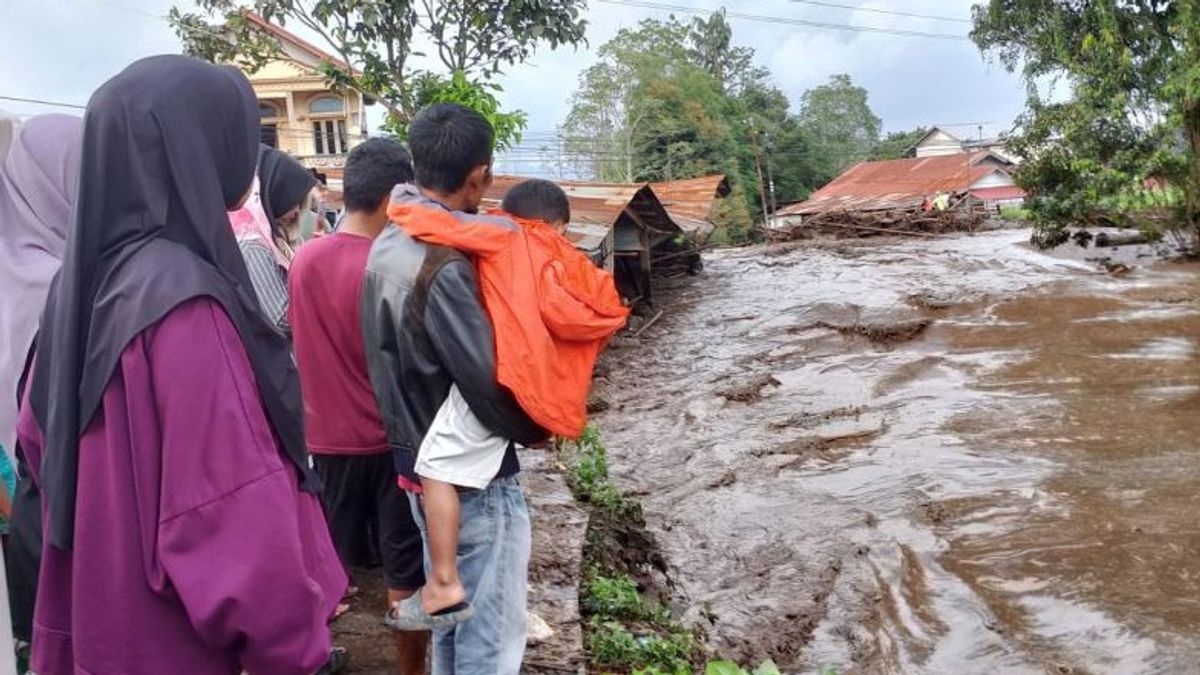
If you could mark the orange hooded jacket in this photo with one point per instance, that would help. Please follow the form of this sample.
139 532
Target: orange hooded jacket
552 309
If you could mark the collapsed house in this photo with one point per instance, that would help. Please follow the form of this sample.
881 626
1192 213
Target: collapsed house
690 201
935 192
618 225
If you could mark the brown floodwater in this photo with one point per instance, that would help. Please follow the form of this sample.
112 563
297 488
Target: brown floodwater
941 456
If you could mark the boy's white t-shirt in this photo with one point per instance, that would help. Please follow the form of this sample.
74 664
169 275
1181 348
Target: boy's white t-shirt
458 449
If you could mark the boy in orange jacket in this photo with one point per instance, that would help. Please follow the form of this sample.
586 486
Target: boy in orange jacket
553 312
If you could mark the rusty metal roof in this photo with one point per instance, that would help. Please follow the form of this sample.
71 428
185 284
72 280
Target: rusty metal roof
899 183
689 201
597 207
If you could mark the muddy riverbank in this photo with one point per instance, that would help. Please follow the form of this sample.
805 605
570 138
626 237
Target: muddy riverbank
956 455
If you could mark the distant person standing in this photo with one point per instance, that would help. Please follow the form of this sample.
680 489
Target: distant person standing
369 515
164 420
281 215
37 190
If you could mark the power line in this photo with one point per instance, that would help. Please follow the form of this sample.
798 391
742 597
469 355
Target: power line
36 101
873 10
787 20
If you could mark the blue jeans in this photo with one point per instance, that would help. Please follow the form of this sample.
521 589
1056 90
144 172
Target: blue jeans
494 540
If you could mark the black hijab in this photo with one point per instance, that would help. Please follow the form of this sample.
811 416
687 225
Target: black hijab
283 184
169 145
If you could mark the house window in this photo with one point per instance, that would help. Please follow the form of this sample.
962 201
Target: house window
329 137
267 110
326 105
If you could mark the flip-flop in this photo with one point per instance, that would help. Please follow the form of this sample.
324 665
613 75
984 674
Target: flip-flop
410 615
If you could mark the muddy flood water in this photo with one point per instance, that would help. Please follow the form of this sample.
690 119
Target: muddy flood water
938 456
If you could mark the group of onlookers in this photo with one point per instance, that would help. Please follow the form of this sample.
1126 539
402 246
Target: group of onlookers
217 408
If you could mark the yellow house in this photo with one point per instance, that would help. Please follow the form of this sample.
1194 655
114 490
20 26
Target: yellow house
301 115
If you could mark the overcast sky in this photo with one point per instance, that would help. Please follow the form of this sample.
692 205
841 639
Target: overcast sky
61 50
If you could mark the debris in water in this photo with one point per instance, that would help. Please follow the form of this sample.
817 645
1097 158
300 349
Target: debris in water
726 479
750 391
597 405
882 333
812 419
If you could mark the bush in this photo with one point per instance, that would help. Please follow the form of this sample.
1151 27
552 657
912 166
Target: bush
612 645
587 475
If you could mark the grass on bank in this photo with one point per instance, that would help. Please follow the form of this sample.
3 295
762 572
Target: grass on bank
624 630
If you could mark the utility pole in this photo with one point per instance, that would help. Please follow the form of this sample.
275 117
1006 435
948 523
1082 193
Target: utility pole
770 176
762 189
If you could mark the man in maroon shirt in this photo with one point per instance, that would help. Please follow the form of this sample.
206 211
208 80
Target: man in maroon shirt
369 515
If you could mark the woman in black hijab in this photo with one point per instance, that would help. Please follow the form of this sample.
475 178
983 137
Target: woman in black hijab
285 191
164 416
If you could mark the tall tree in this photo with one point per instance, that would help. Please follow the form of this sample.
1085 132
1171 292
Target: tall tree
607 112
710 46
840 124
1132 70
474 39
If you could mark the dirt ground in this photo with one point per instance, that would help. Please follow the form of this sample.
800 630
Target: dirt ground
937 456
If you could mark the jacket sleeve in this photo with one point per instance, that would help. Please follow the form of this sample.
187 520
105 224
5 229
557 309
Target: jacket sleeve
463 337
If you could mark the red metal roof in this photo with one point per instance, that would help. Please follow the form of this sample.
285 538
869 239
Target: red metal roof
689 201
899 183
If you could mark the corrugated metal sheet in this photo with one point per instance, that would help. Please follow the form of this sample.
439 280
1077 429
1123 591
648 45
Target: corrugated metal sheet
689 201
897 184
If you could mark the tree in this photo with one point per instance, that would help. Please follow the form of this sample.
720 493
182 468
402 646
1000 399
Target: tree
1133 111
840 124
474 39
897 143
710 46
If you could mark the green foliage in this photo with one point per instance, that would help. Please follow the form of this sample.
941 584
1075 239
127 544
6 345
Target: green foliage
587 475
668 100
730 668
840 124
430 89
1132 72
1013 212
897 143
613 645
373 41
617 596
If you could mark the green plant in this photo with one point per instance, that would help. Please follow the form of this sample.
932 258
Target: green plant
587 475
613 596
612 645
1013 212
767 667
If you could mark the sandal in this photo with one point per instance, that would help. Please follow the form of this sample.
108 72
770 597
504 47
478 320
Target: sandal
410 615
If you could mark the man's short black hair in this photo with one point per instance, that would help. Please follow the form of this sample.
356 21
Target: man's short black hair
538 199
373 168
448 141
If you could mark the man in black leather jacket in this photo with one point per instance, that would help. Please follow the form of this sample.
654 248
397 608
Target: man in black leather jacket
425 328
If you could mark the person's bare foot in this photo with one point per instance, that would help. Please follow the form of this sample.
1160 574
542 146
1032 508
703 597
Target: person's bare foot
436 597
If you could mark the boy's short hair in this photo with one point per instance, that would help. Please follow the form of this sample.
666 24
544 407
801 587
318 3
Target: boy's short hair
448 141
373 168
538 199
